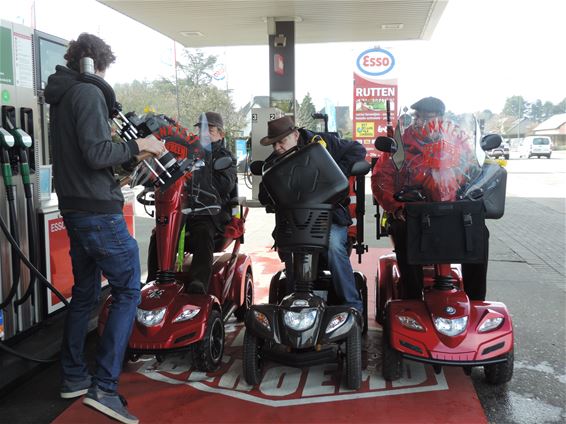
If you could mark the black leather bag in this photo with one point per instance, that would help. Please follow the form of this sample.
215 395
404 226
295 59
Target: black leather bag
446 232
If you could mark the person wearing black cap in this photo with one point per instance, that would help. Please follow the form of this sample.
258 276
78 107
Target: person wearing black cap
383 180
201 230
282 135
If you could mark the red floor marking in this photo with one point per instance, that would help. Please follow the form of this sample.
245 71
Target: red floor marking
160 402
171 393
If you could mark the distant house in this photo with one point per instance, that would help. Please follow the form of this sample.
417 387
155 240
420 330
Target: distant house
514 130
555 128
517 128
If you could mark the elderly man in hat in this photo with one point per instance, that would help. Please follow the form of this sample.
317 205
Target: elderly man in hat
201 230
282 135
384 179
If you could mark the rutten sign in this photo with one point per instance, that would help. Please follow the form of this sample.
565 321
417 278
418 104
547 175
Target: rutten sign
375 62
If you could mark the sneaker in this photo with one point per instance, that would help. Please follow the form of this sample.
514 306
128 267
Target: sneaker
72 389
111 404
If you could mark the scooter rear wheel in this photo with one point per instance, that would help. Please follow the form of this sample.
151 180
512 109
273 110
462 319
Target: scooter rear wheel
207 354
248 299
354 359
252 363
500 373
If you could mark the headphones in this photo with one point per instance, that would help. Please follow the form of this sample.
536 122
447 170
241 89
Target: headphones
87 75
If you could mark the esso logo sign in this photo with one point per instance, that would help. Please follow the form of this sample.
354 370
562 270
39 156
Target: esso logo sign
375 62
56 225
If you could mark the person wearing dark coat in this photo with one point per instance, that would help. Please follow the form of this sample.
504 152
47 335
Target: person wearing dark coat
284 135
203 229
91 202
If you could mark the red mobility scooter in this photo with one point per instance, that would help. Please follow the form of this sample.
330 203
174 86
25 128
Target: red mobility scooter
168 319
448 190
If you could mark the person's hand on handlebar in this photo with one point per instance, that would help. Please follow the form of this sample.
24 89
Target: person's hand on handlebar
150 144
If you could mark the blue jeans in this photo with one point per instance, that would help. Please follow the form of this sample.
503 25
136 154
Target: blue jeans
340 268
100 244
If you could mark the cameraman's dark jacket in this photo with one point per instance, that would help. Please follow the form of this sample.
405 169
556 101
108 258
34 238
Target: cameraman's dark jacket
82 147
223 183
344 152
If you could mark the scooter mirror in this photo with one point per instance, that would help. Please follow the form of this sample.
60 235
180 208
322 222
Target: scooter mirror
256 167
385 144
223 163
360 167
490 141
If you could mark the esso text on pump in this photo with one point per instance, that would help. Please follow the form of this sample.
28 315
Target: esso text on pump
375 62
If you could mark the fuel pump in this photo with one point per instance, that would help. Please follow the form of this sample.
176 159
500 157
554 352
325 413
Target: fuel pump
247 163
20 140
17 138
20 164
22 304
15 154
23 144
7 142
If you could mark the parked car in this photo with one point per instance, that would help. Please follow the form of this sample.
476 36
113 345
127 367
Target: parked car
501 151
536 146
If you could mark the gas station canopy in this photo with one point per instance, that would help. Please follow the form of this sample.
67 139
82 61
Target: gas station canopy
208 23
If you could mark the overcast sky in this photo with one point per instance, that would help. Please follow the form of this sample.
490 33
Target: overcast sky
481 52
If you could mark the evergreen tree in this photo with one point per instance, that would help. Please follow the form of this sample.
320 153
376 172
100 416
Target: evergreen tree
561 107
515 106
304 118
535 111
548 110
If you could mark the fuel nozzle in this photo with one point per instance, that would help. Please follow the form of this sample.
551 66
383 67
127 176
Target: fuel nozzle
22 141
6 139
6 142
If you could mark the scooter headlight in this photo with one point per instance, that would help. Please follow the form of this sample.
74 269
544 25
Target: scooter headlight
300 321
187 314
150 318
410 323
451 327
490 324
262 319
336 322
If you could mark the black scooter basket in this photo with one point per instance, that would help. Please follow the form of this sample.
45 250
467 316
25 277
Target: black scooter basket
446 232
303 228
494 184
306 176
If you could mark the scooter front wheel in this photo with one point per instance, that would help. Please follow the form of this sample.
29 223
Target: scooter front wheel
392 361
500 373
277 289
252 359
354 359
207 354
